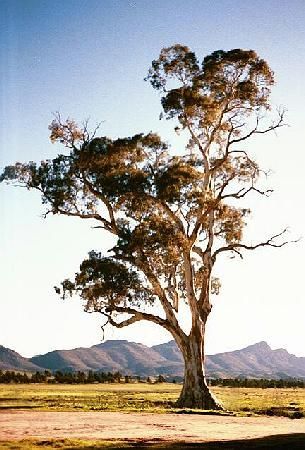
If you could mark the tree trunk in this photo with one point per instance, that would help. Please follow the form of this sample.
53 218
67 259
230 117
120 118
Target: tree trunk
195 392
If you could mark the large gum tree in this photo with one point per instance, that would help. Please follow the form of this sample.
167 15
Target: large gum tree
173 215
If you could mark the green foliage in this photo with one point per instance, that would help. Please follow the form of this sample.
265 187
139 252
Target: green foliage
237 79
104 282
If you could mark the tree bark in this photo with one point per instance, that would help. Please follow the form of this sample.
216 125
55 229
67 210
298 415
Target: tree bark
195 392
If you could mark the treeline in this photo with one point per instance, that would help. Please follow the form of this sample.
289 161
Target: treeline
64 377
79 377
257 383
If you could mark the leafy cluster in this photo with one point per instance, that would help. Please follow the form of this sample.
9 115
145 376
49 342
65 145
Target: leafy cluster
236 81
105 283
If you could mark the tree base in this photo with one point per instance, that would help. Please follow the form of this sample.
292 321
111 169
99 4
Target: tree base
198 399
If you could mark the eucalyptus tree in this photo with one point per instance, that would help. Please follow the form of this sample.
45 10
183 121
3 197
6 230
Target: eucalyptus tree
173 215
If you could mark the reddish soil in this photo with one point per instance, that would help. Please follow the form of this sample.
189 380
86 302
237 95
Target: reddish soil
15 425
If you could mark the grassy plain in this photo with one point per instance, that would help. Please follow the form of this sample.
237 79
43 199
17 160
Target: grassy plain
145 398
153 398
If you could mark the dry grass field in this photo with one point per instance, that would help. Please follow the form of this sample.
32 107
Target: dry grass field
145 398
249 408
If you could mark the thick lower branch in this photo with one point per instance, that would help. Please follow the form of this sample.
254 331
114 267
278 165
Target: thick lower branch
137 316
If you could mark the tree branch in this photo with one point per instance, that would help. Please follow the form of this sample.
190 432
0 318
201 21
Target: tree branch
207 168
106 226
198 251
136 317
142 264
112 223
279 123
243 192
166 208
189 283
268 243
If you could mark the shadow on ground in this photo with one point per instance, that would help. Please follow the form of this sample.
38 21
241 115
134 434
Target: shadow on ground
278 442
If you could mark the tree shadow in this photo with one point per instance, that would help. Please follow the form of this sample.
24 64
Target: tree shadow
277 442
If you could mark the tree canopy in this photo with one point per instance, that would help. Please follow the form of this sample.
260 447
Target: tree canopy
173 215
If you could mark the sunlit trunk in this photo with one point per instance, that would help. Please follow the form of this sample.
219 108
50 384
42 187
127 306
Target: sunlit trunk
195 392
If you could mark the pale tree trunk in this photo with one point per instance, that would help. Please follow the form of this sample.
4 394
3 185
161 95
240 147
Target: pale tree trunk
195 392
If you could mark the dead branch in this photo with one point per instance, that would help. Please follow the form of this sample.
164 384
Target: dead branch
274 125
243 192
268 243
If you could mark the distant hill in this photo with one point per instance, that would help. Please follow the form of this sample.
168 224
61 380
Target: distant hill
254 361
11 360
126 357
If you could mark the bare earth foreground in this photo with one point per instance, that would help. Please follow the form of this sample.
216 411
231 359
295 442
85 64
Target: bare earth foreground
130 427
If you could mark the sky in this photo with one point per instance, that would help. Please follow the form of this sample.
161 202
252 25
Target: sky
88 59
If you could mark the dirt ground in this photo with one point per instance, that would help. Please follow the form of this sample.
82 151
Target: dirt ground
15 425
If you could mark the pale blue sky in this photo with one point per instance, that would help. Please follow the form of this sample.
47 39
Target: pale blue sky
89 58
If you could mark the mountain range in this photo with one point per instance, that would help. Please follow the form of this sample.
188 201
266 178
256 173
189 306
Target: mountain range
254 361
